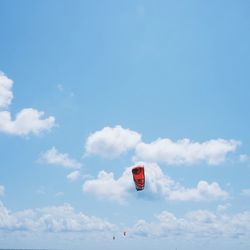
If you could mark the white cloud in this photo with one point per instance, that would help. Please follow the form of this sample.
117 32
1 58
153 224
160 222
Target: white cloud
111 142
199 224
2 190
105 186
73 176
196 224
185 151
157 184
51 219
28 121
203 191
54 157
5 91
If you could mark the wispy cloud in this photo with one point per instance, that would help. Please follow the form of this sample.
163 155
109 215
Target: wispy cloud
5 90
54 157
244 158
60 87
2 190
157 185
59 194
41 190
223 207
246 192
73 176
185 151
111 142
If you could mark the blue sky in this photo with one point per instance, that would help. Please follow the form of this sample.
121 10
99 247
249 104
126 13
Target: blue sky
88 89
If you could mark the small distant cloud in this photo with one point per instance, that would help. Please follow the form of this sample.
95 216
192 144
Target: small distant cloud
246 192
111 142
54 157
185 152
60 87
6 95
223 208
59 194
41 190
244 158
2 190
73 176
86 176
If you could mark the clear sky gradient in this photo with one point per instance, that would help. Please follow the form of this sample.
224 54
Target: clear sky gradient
88 89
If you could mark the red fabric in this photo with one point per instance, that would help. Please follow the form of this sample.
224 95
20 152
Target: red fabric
139 177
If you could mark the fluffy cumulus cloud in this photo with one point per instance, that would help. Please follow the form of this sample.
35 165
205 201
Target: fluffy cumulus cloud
196 224
28 121
157 185
160 184
203 191
54 157
185 151
111 142
51 219
107 187
5 90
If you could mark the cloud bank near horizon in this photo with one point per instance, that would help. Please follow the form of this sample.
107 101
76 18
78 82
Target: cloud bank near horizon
63 219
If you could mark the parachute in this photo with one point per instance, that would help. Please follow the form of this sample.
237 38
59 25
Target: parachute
139 177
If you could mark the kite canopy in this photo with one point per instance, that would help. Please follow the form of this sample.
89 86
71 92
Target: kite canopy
139 177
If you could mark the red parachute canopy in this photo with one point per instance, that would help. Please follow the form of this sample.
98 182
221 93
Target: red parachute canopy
139 177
